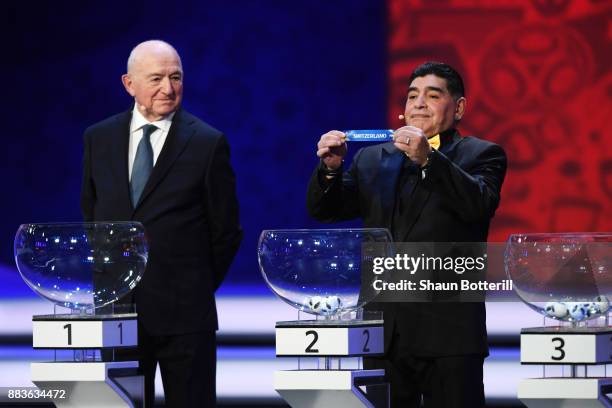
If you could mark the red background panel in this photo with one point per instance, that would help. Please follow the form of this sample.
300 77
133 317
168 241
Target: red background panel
538 82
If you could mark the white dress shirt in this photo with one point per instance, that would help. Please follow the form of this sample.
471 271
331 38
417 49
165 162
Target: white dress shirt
158 137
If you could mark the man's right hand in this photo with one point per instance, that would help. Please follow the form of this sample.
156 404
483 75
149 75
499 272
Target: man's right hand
332 149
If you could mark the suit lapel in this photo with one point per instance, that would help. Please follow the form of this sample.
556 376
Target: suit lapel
179 134
118 159
422 191
449 146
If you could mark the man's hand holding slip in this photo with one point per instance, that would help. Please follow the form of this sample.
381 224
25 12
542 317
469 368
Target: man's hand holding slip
332 149
413 142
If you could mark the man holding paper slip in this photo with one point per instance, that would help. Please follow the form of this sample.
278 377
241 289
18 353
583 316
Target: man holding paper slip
426 184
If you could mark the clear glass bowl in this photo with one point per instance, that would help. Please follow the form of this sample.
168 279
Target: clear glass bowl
81 266
320 271
564 276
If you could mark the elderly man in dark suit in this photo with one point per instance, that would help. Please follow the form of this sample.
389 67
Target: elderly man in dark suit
428 185
162 166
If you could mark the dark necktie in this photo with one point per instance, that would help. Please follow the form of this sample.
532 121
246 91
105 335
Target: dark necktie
143 164
406 183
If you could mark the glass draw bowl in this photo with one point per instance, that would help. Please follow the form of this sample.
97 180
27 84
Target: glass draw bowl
564 276
81 266
320 271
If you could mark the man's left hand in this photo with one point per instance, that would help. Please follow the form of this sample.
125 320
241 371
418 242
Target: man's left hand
412 141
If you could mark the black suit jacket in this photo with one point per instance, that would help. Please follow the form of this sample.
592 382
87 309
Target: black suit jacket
189 210
453 203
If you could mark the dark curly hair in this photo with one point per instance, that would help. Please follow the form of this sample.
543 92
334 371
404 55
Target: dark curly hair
454 82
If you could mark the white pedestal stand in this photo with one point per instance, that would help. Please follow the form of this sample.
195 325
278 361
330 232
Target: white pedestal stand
577 349
86 380
331 340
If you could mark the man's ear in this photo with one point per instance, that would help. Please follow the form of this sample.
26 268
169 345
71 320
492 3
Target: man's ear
460 108
127 83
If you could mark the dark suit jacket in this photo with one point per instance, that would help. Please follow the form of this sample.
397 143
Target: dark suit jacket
454 203
189 210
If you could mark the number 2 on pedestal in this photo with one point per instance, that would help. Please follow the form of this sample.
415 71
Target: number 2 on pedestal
315 337
366 334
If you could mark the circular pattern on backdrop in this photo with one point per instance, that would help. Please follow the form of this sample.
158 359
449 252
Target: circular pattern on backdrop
534 67
550 8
